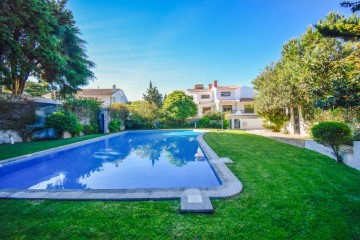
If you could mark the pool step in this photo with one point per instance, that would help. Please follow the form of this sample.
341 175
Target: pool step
193 202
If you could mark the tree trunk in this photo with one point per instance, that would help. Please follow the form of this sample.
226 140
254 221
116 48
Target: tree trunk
337 154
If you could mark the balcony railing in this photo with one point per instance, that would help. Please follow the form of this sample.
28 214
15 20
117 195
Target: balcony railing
239 112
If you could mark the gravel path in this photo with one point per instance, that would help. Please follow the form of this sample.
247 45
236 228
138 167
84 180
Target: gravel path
295 140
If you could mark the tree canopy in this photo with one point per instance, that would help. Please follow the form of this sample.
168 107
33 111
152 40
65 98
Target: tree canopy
153 95
39 39
313 72
35 89
338 26
354 6
178 106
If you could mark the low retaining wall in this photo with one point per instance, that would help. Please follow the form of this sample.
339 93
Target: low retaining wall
350 159
6 134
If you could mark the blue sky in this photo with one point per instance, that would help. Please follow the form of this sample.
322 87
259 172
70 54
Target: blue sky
178 43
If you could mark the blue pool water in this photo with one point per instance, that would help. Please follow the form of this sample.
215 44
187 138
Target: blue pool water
151 159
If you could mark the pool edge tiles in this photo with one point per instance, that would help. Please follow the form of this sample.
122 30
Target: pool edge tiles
230 185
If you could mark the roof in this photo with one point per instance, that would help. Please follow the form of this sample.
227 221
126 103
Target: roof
227 87
96 92
198 90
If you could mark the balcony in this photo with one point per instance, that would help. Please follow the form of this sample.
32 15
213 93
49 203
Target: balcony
240 112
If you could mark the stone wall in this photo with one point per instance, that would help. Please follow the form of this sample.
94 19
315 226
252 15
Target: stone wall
6 134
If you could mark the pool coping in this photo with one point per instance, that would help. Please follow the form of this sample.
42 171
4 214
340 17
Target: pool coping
230 186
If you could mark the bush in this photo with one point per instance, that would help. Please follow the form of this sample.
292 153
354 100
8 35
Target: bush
213 120
63 121
272 127
92 128
204 122
114 126
333 135
86 110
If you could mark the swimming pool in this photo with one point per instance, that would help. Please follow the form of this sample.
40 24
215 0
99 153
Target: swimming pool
140 159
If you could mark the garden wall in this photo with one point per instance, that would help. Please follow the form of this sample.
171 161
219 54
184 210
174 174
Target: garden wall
6 134
351 159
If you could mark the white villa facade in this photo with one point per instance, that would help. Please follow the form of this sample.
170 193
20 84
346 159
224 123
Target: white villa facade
107 96
236 101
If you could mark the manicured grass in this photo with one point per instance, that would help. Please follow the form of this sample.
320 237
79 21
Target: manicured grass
18 149
289 193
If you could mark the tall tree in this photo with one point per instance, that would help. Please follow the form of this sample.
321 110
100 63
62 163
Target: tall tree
39 39
178 106
153 95
35 89
338 26
354 6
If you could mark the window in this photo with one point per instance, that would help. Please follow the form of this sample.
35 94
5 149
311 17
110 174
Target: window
206 109
225 94
207 96
227 108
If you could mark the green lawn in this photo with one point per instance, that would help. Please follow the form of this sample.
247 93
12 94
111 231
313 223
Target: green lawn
289 193
18 149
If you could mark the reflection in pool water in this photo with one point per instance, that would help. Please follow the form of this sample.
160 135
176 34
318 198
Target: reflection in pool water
151 159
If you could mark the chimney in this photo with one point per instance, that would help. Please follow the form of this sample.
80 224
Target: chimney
210 86
215 83
199 86
114 88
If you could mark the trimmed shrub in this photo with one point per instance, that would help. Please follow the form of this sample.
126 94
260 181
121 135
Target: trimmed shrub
114 126
204 122
92 128
63 121
332 134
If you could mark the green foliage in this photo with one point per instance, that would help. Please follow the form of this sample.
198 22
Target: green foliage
36 89
39 39
204 122
332 134
178 106
338 26
213 120
354 6
142 115
17 114
114 125
313 72
119 111
85 109
63 121
92 128
153 96
344 93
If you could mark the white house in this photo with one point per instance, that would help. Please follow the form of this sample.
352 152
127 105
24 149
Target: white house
236 101
107 96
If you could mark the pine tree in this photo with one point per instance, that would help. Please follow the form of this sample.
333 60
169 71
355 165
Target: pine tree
153 95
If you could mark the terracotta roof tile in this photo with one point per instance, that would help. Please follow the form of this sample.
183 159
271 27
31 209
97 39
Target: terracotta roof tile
198 90
228 87
95 92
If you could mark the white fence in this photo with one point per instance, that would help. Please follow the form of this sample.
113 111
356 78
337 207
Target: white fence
350 159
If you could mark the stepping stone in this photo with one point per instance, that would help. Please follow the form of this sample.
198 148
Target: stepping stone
193 202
